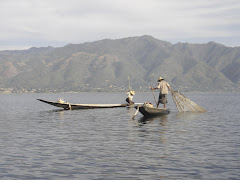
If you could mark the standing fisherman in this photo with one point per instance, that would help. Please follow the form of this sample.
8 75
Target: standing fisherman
163 86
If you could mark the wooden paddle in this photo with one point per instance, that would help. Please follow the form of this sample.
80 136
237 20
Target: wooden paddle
135 113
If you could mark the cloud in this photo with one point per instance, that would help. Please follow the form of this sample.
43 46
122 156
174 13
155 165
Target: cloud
55 22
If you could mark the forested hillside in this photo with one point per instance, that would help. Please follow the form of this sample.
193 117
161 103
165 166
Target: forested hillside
106 64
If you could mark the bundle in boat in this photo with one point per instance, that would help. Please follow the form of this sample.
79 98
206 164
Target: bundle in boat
184 104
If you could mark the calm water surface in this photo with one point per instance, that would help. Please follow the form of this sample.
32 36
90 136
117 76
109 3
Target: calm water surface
39 141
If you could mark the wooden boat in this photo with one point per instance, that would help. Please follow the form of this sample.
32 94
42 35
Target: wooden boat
68 106
148 110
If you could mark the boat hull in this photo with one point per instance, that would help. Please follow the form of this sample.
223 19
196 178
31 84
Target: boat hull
68 106
151 111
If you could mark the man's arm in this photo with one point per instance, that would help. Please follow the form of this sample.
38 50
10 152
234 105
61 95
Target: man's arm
154 88
169 89
158 87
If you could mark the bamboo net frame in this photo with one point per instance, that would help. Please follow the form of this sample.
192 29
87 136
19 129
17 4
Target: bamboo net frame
184 104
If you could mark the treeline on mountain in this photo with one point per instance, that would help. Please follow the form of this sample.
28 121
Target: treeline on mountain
106 64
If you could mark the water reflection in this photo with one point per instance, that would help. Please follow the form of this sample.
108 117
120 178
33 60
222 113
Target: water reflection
163 119
188 115
57 113
153 133
161 131
60 113
131 111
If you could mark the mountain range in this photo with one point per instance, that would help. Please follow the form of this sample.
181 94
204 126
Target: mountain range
105 65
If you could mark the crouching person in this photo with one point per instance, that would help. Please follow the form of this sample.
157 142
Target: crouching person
130 95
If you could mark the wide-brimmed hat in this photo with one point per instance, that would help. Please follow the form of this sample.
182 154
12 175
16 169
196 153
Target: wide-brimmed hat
160 78
132 92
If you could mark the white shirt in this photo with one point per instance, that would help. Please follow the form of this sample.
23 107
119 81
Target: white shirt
130 96
163 86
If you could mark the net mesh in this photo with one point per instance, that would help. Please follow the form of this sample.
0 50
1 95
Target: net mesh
184 104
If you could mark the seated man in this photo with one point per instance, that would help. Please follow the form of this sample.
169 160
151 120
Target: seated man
130 97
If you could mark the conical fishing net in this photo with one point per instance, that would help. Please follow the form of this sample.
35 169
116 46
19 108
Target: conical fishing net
184 104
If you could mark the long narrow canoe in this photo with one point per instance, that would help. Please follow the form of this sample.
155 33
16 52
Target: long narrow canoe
67 106
152 111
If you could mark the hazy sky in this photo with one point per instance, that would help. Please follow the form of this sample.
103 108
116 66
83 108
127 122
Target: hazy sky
41 23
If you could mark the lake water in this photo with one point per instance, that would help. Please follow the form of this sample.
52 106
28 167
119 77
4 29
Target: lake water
39 141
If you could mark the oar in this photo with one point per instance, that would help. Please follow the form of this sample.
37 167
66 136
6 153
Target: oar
135 112
154 96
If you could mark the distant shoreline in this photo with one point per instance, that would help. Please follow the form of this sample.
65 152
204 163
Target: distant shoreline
81 92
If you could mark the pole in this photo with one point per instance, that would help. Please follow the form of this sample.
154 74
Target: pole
154 96
129 83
